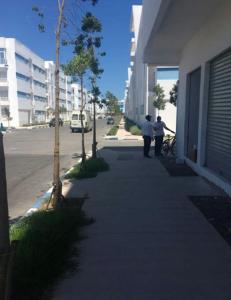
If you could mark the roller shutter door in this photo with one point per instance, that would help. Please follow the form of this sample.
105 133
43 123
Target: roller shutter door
24 117
218 147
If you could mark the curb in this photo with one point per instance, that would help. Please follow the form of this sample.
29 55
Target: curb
40 200
116 138
111 137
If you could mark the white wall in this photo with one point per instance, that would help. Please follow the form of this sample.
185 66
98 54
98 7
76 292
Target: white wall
212 39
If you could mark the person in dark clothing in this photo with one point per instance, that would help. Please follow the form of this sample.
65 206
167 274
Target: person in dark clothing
147 132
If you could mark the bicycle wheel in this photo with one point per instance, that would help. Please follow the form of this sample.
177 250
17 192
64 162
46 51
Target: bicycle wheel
165 147
173 148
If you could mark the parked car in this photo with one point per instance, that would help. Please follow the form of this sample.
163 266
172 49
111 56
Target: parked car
52 122
110 121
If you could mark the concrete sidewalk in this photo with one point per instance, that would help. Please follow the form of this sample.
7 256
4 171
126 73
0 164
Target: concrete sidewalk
123 134
149 242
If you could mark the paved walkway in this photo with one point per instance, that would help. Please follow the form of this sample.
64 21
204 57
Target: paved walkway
123 134
149 242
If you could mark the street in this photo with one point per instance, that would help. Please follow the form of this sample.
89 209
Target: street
29 161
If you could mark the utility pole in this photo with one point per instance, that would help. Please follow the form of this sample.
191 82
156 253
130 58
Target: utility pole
4 222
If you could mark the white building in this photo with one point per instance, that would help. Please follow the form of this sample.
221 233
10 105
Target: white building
195 35
22 83
27 86
87 100
121 104
76 97
65 96
143 77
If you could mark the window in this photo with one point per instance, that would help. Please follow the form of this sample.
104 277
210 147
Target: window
22 77
23 95
39 113
4 94
2 56
38 69
3 74
39 98
21 58
75 117
83 117
38 83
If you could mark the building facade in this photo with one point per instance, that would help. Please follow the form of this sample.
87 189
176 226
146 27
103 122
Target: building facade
196 36
23 83
142 78
27 86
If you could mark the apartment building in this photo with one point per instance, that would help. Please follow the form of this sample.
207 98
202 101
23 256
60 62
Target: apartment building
142 78
76 97
27 86
23 83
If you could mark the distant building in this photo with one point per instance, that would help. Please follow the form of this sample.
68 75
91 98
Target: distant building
121 104
27 86
22 83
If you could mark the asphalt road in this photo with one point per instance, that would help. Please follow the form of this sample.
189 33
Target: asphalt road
29 161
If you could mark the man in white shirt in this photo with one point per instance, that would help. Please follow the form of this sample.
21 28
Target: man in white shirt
159 127
147 132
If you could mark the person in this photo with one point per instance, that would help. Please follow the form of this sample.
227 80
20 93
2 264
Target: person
159 127
147 132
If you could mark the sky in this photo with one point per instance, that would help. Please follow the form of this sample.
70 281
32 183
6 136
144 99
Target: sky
17 20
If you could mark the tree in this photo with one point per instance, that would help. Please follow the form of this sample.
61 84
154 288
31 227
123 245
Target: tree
174 93
49 112
61 23
6 112
111 102
90 39
159 103
78 67
4 223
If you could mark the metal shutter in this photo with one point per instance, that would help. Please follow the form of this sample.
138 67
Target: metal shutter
218 147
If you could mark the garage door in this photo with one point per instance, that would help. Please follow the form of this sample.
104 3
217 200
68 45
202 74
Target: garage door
218 149
24 117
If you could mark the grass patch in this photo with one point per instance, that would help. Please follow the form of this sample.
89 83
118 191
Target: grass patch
44 251
115 127
132 127
113 130
89 169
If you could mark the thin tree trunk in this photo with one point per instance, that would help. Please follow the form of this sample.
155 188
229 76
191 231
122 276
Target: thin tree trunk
82 127
4 222
94 131
56 179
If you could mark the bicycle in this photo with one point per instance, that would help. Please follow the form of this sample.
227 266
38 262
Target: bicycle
169 146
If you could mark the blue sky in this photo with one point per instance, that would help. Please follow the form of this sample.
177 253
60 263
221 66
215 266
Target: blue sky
17 20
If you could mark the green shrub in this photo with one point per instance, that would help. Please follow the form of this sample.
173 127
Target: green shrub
132 127
135 130
89 169
44 251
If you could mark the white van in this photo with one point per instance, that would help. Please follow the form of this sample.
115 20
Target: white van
76 121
